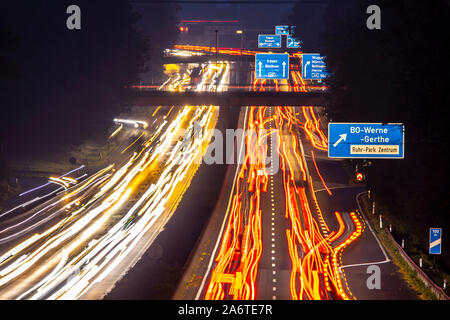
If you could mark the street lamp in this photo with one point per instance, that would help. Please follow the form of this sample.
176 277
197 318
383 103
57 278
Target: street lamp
241 32
217 52
242 38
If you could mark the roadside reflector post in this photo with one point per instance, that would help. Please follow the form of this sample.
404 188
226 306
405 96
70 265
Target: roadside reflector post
444 286
403 243
420 262
373 207
368 194
381 222
390 228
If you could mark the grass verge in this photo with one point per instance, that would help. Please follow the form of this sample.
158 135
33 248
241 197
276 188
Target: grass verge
409 274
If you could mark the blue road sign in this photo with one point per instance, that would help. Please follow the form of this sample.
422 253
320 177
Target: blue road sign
435 240
269 41
272 66
313 67
366 140
291 42
282 30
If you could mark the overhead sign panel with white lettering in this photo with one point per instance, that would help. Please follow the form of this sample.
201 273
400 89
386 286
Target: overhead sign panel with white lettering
269 41
291 42
365 140
282 30
313 67
272 66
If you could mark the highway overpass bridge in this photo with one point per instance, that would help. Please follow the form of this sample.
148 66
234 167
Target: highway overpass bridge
227 99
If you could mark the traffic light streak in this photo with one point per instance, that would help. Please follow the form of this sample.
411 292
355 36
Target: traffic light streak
313 250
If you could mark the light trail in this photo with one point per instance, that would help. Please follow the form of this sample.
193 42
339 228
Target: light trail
96 225
44 185
312 249
135 123
235 273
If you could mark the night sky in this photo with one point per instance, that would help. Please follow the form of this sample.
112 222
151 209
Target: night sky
250 15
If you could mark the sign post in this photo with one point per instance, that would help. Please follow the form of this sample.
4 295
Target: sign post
313 67
272 66
282 30
291 42
366 140
435 244
269 41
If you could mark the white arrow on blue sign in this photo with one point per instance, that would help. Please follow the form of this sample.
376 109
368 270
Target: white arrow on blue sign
269 41
435 240
283 30
272 66
313 67
291 42
366 140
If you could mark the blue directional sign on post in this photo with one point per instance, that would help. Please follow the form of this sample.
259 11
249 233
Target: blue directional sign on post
313 67
435 240
366 140
282 30
269 41
272 66
291 42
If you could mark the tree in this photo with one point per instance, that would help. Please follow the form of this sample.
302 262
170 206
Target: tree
68 81
396 74
158 23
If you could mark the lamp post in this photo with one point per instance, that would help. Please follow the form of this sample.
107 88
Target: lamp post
241 32
217 53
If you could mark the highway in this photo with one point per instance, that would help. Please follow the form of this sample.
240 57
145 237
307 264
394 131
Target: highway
288 224
303 262
85 237
294 233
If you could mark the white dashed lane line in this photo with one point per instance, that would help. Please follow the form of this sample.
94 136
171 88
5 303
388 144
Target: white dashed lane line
274 279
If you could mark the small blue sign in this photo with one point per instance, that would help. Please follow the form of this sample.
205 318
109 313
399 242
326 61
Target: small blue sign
291 42
435 240
282 30
272 66
313 67
366 140
269 41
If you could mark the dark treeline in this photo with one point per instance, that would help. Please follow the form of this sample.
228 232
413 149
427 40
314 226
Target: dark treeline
58 86
159 23
397 74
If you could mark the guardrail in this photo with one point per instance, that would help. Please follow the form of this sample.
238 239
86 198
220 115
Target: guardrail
422 275
437 290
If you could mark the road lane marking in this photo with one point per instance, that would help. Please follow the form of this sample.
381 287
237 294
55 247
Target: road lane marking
370 228
340 187
364 264
219 238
